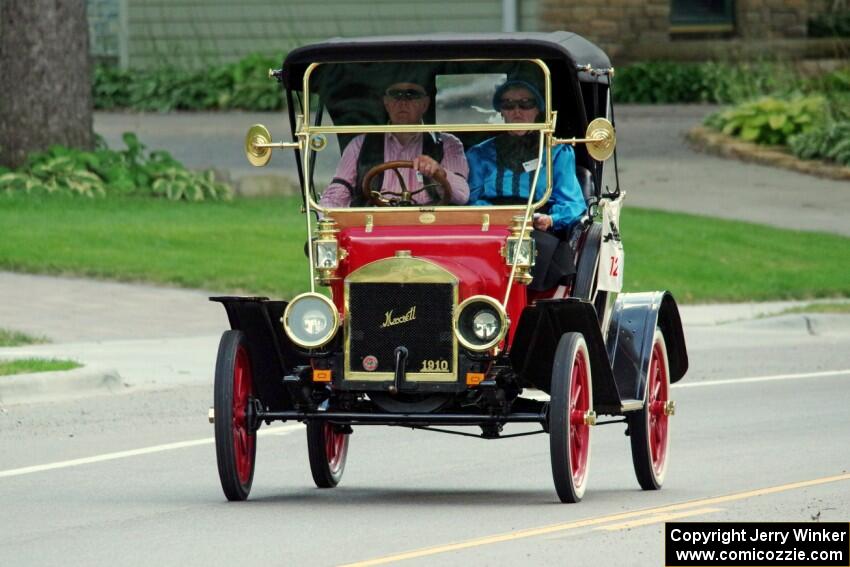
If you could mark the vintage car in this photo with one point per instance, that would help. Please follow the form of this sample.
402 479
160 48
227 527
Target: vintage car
419 313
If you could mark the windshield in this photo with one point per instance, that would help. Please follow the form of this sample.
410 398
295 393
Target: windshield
463 104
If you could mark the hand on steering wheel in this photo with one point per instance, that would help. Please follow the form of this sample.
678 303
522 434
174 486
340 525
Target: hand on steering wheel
406 197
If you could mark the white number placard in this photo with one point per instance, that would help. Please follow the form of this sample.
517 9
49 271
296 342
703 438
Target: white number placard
610 275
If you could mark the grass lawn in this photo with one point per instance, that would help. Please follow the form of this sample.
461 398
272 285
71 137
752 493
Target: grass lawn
31 365
706 259
16 338
256 246
248 245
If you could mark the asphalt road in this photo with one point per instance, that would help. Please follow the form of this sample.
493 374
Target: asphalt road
419 492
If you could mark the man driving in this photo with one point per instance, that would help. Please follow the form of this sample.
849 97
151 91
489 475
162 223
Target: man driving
432 154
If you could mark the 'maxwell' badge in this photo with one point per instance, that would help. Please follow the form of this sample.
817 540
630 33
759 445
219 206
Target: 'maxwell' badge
389 320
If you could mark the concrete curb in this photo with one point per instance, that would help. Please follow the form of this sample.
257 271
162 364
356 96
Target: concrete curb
62 384
713 142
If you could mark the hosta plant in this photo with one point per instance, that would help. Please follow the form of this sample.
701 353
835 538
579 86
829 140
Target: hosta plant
770 120
105 172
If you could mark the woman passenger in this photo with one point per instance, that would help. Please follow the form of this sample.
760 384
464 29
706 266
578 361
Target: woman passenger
501 169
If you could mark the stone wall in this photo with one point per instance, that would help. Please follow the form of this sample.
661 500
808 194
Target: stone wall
629 29
615 25
771 19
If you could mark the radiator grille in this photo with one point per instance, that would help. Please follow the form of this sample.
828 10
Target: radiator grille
384 316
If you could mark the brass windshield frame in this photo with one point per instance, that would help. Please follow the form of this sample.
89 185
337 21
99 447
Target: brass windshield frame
546 129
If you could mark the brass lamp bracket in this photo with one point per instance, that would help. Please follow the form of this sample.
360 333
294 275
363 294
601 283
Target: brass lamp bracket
588 68
599 138
259 145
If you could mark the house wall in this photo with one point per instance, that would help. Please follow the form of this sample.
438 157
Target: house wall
104 18
201 32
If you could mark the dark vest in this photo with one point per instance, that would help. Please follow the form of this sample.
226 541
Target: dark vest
372 154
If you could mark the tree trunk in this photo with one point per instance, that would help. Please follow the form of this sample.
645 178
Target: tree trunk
45 77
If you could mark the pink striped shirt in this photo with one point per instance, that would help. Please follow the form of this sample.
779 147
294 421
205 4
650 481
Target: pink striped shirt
454 162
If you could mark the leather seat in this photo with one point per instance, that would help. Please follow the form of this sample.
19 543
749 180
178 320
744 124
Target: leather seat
585 181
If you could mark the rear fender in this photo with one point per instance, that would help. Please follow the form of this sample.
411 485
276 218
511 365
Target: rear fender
272 353
540 328
633 322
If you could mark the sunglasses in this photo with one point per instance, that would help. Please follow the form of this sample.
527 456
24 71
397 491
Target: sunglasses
523 103
405 94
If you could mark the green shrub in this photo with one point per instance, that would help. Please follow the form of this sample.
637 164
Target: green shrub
836 87
770 120
830 141
661 82
830 25
715 82
242 85
105 172
741 82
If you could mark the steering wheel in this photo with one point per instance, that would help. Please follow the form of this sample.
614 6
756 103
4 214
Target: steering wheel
405 199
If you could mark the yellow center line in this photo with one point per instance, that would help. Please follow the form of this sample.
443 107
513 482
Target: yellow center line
533 532
657 519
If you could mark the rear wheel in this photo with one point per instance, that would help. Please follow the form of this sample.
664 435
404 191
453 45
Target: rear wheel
570 417
649 428
327 447
235 442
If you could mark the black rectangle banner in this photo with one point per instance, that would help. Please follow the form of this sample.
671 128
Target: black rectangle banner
757 544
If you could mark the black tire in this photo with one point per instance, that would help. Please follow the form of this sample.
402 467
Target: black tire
571 401
327 448
235 443
649 427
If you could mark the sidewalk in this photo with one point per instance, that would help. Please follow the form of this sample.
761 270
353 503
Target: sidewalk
124 334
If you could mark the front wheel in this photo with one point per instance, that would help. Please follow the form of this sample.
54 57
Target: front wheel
327 448
648 428
235 442
570 417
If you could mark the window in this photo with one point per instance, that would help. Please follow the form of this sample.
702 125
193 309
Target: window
702 16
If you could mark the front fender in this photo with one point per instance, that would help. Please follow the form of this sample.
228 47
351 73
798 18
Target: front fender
541 326
272 353
633 321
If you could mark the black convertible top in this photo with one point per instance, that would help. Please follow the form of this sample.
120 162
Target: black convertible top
560 50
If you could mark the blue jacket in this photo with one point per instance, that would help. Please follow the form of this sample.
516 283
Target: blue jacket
488 180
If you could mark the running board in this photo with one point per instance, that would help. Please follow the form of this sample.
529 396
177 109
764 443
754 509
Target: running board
630 405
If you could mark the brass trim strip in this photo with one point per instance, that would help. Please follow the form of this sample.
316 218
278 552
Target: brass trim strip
402 270
370 218
702 28
404 128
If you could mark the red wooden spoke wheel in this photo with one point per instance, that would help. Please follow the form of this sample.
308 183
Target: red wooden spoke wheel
235 441
570 416
327 448
649 428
